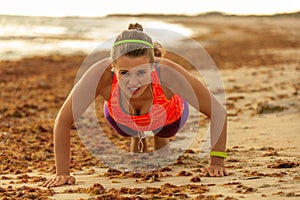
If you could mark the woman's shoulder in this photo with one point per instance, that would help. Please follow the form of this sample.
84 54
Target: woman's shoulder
170 71
165 62
104 63
104 73
101 68
99 74
166 66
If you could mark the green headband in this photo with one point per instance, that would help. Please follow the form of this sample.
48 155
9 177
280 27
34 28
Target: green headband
133 41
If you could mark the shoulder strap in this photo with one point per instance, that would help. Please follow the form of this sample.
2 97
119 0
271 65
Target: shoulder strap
158 69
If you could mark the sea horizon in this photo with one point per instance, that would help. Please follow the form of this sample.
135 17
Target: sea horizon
200 14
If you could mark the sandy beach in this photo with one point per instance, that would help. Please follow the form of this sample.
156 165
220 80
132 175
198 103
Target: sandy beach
259 61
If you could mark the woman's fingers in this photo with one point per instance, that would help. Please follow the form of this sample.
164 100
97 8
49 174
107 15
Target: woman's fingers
46 183
72 180
211 171
225 172
49 182
208 171
59 181
221 172
215 171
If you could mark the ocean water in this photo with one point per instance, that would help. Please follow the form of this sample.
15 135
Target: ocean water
25 36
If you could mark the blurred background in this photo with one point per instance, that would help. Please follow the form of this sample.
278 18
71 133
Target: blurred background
78 27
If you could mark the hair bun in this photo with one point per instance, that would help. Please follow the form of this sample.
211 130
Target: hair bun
159 50
135 26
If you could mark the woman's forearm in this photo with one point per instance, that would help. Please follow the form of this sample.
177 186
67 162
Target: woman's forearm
62 152
219 133
218 126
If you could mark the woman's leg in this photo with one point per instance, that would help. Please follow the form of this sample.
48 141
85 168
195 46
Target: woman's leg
119 128
160 142
138 147
125 131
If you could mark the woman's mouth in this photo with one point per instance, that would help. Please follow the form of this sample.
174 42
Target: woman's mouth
133 90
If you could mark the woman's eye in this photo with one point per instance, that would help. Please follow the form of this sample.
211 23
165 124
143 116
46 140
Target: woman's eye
141 73
124 73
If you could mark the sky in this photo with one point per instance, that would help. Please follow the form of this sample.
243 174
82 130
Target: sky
96 8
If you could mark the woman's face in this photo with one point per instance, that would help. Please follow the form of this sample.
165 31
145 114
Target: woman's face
133 74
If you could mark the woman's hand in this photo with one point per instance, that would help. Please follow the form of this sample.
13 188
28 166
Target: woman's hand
216 168
215 171
59 181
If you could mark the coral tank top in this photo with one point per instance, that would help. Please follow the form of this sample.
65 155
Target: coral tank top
163 111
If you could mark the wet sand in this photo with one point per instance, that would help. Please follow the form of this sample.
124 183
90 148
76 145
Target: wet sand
259 62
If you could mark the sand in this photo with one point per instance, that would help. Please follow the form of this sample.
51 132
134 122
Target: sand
258 59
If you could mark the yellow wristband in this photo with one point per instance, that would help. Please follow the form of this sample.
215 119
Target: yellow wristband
218 154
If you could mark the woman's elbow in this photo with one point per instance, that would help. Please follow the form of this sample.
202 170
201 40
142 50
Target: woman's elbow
64 121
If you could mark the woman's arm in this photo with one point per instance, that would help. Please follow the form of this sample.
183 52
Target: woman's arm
93 83
189 87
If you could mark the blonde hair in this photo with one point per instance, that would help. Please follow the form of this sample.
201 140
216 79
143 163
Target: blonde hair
134 32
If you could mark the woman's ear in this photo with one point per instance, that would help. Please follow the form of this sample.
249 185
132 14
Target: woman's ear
112 67
152 66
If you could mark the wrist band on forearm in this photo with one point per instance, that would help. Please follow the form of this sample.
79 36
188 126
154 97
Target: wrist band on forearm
218 154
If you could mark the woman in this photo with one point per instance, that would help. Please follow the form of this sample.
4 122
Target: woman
141 95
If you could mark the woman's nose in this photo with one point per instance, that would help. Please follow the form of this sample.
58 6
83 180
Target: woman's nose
133 80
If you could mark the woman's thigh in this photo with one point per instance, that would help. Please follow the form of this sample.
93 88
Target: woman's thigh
171 129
